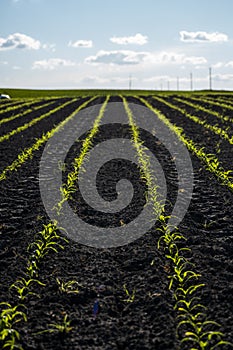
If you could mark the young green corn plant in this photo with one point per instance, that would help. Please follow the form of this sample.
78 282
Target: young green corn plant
204 339
9 317
181 274
47 240
184 292
23 287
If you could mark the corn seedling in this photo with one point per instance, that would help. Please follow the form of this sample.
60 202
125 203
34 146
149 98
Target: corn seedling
9 317
47 240
23 286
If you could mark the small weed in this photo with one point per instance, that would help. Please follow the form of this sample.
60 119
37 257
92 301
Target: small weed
69 287
59 328
130 297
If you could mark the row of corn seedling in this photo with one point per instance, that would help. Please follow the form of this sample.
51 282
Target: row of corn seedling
198 107
226 101
28 152
29 110
210 161
214 128
213 102
23 104
68 188
6 104
46 241
34 121
193 326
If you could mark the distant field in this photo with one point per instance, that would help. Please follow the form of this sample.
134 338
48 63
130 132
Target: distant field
19 93
165 290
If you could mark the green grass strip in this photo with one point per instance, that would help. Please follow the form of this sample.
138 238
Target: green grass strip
34 121
28 153
214 128
210 160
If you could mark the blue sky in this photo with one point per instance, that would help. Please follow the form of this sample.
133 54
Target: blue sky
100 43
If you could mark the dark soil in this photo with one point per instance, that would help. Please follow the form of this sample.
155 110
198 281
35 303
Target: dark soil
149 321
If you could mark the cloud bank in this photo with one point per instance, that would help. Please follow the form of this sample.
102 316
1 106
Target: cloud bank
81 43
52 63
200 36
137 39
19 41
127 57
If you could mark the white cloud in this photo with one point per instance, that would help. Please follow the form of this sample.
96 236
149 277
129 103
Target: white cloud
119 57
81 43
19 41
223 65
137 39
125 57
218 65
223 77
201 36
229 64
166 57
52 63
